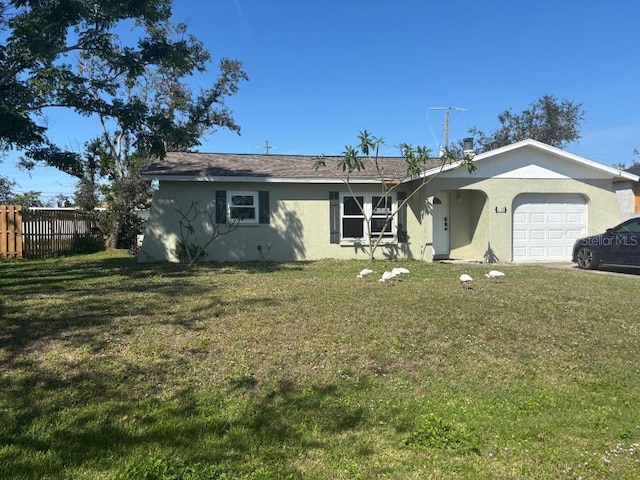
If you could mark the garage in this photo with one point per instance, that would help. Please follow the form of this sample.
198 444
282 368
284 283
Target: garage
545 226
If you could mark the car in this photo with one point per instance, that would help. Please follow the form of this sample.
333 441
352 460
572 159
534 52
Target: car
617 246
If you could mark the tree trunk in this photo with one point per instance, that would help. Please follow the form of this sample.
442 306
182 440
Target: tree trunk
114 238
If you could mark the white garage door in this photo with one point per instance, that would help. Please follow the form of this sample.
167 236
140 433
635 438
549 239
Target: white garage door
545 227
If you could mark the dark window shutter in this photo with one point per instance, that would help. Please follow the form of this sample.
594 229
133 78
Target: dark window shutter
402 219
263 200
334 217
221 206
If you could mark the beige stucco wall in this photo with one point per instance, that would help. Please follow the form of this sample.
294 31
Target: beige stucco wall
298 228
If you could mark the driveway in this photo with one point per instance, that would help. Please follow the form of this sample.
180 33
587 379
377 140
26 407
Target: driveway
604 270
620 271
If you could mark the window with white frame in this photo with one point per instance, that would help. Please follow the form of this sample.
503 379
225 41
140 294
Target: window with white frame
242 207
355 210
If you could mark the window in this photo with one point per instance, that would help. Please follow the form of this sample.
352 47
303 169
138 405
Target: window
352 217
631 226
242 207
356 210
246 208
381 209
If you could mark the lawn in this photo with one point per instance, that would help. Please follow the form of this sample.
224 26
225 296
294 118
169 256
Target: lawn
114 370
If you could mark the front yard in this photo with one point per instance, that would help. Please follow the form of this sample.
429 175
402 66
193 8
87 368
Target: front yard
113 370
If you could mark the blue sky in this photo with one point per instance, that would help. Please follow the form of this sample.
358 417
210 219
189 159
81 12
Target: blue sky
321 71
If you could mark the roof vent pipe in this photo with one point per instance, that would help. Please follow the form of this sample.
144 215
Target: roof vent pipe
467 146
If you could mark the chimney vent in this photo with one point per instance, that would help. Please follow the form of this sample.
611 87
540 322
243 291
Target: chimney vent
467 146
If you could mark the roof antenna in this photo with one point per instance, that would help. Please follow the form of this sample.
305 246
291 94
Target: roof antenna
266 147
445 126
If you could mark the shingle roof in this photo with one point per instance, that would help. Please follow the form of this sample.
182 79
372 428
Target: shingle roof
185 165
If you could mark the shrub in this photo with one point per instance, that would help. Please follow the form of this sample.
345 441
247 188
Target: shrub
88 244
185 253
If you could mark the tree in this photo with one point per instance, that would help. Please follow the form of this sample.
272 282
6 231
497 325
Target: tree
68 54
38 72
87 194
412 166
634 164
190 252
28 199
548 120
125 191
6 189
61 201
181 119
35 74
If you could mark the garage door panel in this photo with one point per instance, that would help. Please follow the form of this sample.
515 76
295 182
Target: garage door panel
575 234
536 252
537 218
537 234
519 235
519 251
556 251
575 218
545 227
557 218
556 234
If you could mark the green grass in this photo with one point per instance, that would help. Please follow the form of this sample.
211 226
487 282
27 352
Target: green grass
113 370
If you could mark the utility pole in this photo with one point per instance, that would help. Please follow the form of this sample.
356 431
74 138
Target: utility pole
445 127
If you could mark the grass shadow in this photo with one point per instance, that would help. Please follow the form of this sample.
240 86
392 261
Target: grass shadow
91 420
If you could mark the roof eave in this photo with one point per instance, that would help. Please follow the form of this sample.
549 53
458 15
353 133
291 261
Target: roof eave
256 179
622 176
432 172
616 174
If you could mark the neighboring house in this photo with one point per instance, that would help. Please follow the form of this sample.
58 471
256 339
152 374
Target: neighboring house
525 202
628 193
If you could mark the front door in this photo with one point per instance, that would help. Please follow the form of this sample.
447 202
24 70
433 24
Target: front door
441 226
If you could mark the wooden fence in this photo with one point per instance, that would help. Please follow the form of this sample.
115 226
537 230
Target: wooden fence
43 233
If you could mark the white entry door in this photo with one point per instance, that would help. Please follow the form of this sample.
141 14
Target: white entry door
441 226
545 226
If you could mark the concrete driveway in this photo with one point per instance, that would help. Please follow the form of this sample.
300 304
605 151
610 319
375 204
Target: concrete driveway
621 271
604 270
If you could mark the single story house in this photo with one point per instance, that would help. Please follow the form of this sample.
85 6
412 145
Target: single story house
524 202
